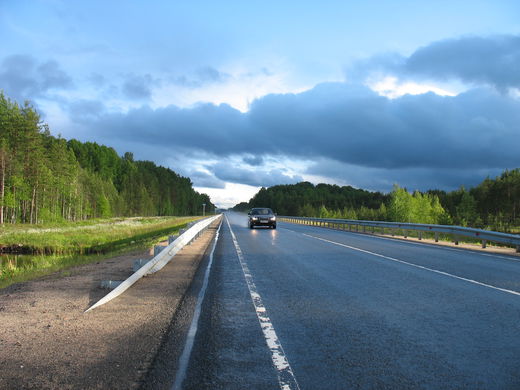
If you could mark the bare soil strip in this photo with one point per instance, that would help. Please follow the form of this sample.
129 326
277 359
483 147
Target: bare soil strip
47 342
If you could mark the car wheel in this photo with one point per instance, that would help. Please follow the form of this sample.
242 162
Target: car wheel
274 226
250 226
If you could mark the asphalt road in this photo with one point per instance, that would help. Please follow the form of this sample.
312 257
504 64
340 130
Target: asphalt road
342 310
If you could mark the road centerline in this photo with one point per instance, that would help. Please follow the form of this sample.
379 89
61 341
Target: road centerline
415 265
285 374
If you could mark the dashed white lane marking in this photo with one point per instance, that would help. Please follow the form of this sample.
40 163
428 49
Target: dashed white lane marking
415 265
286 377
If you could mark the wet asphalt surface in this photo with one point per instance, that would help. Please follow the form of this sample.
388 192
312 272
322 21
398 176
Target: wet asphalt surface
350 319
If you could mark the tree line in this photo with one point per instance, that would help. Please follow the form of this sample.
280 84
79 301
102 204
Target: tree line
49 179
494 204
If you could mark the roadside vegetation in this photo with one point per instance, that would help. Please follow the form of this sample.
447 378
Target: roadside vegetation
493 205
47 179
64 203
39 250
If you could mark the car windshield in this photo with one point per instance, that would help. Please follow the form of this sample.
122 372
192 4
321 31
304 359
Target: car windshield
261 212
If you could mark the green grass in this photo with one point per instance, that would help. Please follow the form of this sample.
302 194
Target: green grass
58 247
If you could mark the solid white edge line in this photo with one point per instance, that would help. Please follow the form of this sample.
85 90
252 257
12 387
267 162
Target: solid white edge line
286 377
192 332
415 265
430 245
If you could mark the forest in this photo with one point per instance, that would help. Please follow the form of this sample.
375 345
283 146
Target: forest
47 179
494 204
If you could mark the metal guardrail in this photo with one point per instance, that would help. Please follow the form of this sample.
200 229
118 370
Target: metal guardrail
456 231
159 261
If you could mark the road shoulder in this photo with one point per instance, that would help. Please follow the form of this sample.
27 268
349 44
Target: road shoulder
46 340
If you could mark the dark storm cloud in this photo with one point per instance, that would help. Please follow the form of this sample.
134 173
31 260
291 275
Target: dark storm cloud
206 127
493 60
382 179
475 60
354 125
253 177
477 130
253 160
22 77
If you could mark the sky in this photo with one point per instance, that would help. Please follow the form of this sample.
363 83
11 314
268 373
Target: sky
239 95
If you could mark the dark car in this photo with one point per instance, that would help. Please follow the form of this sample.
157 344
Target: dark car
262 216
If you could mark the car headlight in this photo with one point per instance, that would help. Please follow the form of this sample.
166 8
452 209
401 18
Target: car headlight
254 218
273 218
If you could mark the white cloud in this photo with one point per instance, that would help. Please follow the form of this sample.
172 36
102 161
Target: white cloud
392 88
230 195
239 88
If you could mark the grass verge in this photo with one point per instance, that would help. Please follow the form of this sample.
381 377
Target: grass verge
55 248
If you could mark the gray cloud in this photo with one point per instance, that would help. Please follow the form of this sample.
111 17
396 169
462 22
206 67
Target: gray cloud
203 179
350 124
85 110
382 179
253 160
97 80
138 86
203 76
210 74
22 77
475 60
51 76
494 60
253 177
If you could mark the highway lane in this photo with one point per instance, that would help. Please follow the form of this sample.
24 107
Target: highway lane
354 311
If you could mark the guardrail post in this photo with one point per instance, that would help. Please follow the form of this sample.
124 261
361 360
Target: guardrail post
436 236
518 249
364 229
420 235
484 244
455 239
405 233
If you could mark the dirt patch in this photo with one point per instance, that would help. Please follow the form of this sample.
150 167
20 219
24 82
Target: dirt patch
47 342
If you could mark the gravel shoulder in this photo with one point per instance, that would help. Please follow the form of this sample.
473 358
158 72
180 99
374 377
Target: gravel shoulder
48 342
